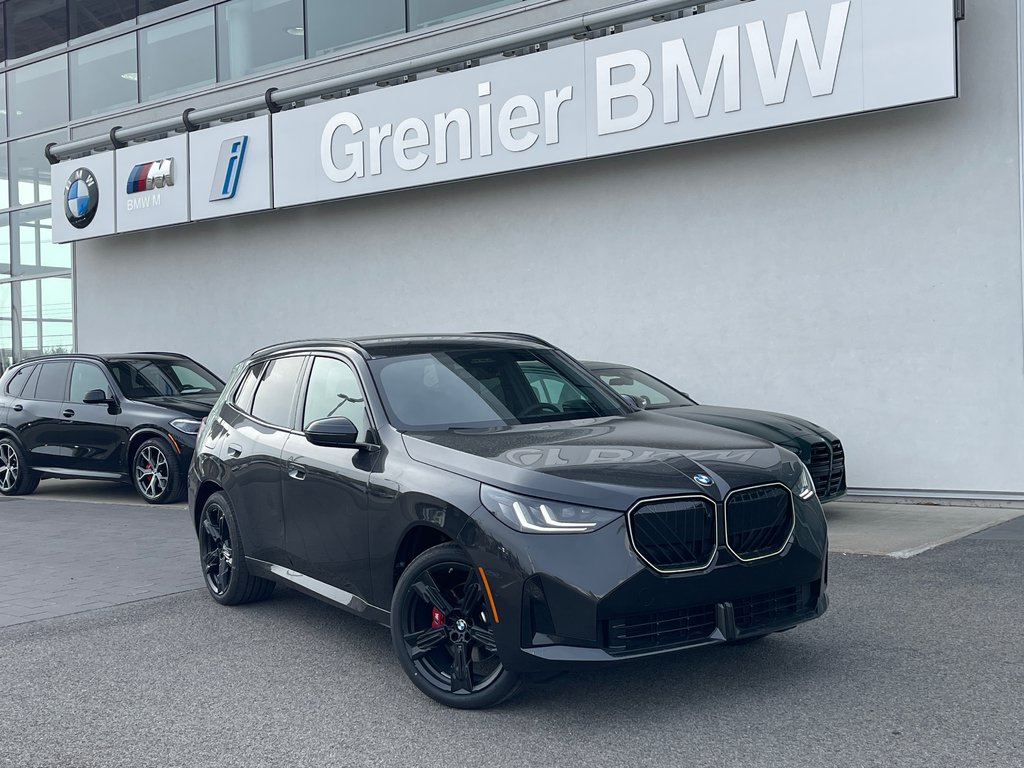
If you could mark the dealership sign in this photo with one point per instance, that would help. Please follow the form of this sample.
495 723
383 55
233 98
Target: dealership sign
744 68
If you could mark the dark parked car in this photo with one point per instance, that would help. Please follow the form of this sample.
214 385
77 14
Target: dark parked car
130 417
818 448
502 523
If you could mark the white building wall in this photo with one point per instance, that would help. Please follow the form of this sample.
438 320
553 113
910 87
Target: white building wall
864 273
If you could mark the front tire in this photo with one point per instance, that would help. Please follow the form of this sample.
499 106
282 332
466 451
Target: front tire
442 632
156 475
16 478
222 559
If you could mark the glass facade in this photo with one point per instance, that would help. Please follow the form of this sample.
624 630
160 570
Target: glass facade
156 53
177 56
335 24
257 35
104 77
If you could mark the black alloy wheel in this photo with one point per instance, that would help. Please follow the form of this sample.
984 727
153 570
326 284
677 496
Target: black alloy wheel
155 472
442 631
220 554
16 479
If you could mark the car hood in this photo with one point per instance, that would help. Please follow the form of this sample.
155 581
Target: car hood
196 406
609 462
789 431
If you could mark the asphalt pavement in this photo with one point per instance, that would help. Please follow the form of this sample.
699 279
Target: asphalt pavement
919 662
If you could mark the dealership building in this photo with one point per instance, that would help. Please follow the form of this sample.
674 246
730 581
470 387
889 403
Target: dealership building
806 206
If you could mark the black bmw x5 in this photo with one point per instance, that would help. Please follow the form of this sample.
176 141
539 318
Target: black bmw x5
129 417
499 507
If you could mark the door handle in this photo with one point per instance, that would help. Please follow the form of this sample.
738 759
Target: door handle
19 407
296 472
68 413
234 450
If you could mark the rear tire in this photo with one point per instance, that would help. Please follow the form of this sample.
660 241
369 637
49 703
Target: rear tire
442 634
222 559
16 477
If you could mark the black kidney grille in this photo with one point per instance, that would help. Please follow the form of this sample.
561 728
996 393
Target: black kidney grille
820 467
664 629
758 521
775 609
674 535
838 474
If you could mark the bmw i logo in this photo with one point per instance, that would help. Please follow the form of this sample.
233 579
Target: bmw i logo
703 480
81 196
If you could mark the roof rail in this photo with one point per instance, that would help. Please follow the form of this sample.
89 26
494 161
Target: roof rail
311 343
511 335
60 356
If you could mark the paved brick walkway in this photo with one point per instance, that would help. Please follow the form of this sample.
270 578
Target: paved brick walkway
59 557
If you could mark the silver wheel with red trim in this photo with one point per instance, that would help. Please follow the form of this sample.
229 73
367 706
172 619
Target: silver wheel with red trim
155 472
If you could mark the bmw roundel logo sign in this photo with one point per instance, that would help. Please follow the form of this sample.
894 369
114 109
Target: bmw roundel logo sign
703 479
81 196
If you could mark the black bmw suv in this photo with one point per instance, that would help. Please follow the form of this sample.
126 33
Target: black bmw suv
498 507
130 417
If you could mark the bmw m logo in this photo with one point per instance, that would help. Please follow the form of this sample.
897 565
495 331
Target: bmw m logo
146 177
81 196
703 480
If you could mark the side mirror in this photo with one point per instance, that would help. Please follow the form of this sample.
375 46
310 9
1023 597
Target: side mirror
639 401
97 397
335 432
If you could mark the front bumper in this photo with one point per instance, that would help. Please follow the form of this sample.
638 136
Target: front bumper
564 599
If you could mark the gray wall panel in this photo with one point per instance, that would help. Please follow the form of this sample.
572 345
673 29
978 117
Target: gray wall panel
865 273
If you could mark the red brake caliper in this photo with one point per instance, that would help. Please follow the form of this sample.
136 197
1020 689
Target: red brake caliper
436 619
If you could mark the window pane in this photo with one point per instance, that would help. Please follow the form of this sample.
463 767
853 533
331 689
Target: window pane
3 96
3 38
177 56
5 244
273 401
254 35
424 12
93 15
45 311
104 77
35 25
334 391
146 6
86 377
34 251
30 173
37 96
17 383
243 397
52 381
334 24
6 326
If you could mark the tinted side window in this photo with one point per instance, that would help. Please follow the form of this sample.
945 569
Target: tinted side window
245 391
30 386
17 383
273 401
53 379
334 391
86 377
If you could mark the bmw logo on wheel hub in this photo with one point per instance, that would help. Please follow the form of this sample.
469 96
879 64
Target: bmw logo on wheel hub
81 196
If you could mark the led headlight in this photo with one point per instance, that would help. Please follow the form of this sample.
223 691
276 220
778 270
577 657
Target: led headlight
805 485
188 426
538 516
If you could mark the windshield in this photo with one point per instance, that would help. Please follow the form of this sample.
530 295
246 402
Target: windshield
140 379
482 387
652 392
